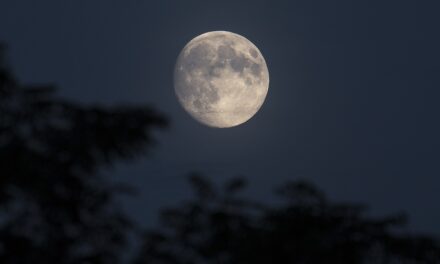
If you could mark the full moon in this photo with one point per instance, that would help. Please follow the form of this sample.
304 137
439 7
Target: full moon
221 79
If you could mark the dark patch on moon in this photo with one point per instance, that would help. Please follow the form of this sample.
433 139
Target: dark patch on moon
212 70
253 52
239 63
225 52
198 57
256 69
237 60
212 96
204 103
197 104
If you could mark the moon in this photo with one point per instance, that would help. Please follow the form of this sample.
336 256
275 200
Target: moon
221 79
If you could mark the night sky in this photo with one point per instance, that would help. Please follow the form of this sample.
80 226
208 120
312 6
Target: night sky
353 102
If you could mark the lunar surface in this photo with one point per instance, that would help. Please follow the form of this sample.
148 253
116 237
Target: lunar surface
221 79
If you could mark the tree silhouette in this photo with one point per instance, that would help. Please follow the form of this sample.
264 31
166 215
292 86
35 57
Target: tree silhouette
218 226
54 206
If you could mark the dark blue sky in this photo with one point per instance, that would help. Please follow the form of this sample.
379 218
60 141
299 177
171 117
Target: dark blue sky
353 102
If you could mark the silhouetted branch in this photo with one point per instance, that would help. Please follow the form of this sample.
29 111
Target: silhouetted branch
54 207
306 229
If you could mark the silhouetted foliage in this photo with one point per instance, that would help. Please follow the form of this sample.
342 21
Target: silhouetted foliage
218 226
54 206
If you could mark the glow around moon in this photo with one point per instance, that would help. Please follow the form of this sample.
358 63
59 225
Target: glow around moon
221 79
